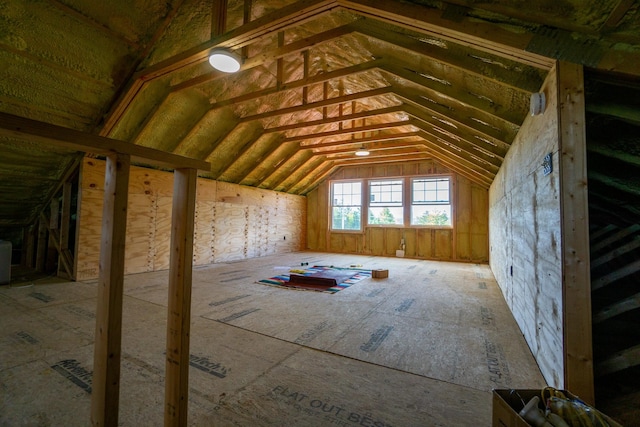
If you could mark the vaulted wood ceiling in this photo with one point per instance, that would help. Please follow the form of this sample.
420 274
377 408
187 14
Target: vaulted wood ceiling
449 80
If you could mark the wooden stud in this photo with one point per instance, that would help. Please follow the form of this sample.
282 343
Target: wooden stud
179 301
106 362
576 310
218 18
41 245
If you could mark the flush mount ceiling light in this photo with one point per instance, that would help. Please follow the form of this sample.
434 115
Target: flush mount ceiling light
224 60
362 152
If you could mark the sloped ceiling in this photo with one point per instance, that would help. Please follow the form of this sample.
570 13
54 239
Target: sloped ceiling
407 80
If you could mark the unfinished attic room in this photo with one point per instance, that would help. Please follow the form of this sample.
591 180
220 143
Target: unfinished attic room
370 213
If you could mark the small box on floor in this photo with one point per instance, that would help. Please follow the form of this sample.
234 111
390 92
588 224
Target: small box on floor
379 274
507 403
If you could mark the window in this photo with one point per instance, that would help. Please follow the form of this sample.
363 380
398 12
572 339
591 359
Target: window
430 201
346 205
385 202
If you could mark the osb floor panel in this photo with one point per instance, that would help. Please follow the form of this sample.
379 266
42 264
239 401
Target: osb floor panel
421 348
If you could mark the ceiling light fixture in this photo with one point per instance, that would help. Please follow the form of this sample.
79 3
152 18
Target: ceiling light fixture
225 60
362 152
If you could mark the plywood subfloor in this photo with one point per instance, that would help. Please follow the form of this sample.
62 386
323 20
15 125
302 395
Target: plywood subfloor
423 347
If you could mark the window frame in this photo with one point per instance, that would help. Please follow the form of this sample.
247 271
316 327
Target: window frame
407 202
412 202
402 205
332 205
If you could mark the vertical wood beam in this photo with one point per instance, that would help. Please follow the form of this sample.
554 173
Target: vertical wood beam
65 220
179 302
105 393
578 351
41 245
218 18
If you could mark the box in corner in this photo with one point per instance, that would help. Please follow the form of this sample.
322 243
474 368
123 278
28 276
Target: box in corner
507 403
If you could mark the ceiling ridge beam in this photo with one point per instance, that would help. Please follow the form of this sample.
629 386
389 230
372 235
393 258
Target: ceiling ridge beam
368 139
337 119
347 131
386 90
378 147
301 83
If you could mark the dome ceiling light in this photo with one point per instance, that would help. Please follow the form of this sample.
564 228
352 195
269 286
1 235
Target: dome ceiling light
225 60
362 152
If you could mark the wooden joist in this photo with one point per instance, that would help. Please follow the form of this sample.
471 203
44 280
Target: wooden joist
622 306
621 360
615 238
615 275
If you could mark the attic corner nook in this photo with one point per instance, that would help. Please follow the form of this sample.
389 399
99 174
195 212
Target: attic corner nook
106 380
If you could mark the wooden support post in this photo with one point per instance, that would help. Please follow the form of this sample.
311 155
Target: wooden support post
41 245
106 362
179 302
65 221
578 351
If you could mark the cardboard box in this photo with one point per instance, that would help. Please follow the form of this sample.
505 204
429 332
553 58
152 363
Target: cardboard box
507 403
379 274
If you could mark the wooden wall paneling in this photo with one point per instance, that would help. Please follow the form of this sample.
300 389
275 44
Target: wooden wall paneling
410 242
350 243
394 169
392 240
229 241
424 246
578 374
108 333
524 225
376 240
479 226
443 243
204 227
463 212
89 232
176 400
140 240
336 242
315 226
41 245
65 220
162 240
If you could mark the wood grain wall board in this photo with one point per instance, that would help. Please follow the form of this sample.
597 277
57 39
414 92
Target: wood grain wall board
230 240
443 244
425 245
162 243
204 230
524 226
467 217
251 223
